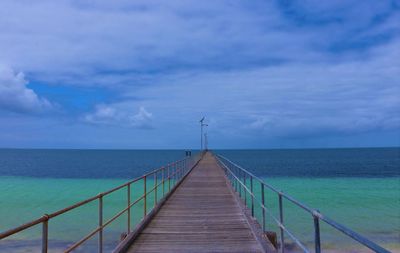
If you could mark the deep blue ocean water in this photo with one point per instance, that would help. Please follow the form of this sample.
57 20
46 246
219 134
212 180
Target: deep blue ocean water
365 162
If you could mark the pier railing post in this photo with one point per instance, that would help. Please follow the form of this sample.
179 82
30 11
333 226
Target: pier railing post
263 208
155 189
236 181
176 172
236 189
145 197
163 180
239 182
244 189
172 174
169 178
179 170
45 234
281 221
317 232
100 223
252 196
129 207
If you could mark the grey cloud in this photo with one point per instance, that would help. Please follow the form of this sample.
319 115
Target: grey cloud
73 41
294 99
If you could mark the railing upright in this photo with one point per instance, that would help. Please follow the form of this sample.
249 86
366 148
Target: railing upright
252 196
100 223
281 221
244 189
163 180
317 233
263 203
237 183
169 177
129 207
180 169
155 189
240 185
145 197
45 234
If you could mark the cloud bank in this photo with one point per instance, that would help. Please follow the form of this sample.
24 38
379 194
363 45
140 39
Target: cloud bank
261 71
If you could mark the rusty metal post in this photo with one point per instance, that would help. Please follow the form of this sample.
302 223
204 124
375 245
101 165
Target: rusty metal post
45 233
145 197
100 223
281 221
129 208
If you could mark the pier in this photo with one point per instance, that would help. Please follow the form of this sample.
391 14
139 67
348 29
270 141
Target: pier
203 215
202 203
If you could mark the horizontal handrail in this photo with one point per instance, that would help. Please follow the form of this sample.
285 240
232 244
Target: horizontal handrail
171 173
316 215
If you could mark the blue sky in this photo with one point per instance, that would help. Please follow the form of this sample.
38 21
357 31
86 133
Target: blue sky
140 74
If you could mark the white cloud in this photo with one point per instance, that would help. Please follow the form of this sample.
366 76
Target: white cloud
16 96
118 115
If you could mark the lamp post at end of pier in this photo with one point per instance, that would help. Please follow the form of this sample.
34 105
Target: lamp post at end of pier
202 124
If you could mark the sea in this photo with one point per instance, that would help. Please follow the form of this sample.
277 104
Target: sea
356 187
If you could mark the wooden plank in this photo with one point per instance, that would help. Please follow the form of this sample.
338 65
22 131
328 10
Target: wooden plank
202 215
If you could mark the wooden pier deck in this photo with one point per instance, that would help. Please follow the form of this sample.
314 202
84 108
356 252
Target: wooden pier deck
202 215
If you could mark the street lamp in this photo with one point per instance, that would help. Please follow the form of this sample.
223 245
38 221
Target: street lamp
202 124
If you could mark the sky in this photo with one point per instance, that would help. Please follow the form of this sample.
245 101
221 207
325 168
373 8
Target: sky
141 74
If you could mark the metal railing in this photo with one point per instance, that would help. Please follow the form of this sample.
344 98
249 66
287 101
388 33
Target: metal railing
169 175
241 180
